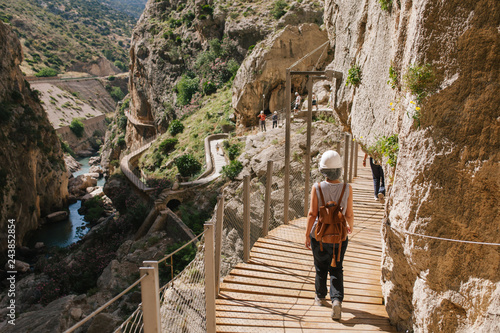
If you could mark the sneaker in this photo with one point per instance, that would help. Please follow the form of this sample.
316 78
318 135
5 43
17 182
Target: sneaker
381 197
336 309
320 301
375 198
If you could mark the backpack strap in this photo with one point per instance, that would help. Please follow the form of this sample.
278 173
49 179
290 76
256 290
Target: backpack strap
342 194
321 194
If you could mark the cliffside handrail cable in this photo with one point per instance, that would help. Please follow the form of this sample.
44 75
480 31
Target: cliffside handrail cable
183 246
307 55
440 238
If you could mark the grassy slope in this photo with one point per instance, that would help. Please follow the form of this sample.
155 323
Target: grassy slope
207 120
65 31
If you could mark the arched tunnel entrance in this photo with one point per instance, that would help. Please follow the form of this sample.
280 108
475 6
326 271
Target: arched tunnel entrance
173 204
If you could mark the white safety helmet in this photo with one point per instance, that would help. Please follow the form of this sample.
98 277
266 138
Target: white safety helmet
330 160
261 112
275 111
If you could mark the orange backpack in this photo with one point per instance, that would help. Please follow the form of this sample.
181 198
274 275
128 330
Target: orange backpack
331 227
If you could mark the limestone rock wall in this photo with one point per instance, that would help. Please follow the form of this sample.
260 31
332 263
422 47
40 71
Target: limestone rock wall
33 179
264 71
445 183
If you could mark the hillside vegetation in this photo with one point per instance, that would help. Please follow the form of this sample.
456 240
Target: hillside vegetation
65 34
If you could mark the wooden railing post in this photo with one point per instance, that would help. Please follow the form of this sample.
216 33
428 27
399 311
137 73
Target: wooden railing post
356 159
210 278
150 294
346 157
218 240
351 160
308 146
286 199
267 199
246 218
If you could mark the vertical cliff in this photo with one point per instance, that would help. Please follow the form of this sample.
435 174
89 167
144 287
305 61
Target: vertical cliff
445 183
33 178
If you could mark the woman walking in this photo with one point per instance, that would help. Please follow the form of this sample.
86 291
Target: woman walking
330 166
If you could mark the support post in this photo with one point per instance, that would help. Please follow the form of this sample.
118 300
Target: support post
356 159
246 218
286 200
308 145
267 202
339 147
218 240
351 160
346 157
150 294
209 278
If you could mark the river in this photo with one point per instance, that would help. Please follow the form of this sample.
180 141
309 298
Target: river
65 233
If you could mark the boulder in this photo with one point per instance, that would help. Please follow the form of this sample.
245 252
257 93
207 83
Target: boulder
71 164
56 216
77 186
20 266
96 169
95 160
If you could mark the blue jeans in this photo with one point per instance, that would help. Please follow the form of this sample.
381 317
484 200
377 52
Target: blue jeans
378 178
322 261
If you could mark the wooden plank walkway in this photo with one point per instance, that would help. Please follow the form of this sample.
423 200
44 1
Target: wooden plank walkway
274 291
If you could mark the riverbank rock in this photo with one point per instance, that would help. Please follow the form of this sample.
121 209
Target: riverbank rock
95 169
71 164
77 186
95 160
57 217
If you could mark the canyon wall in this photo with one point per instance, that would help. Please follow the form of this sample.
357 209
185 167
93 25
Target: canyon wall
33 178
446 180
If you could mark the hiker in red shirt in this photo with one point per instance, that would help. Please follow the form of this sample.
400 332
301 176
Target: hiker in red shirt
262 118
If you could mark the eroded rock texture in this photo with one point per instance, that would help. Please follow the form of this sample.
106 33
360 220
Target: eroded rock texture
264 71
445 183
33 179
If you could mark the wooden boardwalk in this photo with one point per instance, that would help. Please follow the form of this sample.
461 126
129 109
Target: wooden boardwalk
274 291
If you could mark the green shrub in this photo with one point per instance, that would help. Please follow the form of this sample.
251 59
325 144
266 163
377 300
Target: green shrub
233 151
232 170
207 9
279 9
117 93
186 88
420 80
66 148
77 127
209 88
385 4
175 127
393 78
121 141
386 146
111 78
122 122
94 208
353 76
46 72
187 165
168 145
120 65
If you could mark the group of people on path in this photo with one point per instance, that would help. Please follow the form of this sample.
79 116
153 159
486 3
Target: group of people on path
333 190
298 100
263 117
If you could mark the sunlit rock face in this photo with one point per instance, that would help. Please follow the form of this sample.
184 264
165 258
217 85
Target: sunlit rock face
445 182
33 178
264 71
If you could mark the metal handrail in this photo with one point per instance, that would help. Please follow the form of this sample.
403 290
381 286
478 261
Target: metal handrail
183 246
96 312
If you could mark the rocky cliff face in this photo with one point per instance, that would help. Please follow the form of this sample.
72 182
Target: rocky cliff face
33 179
170 35
445 182
264 71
